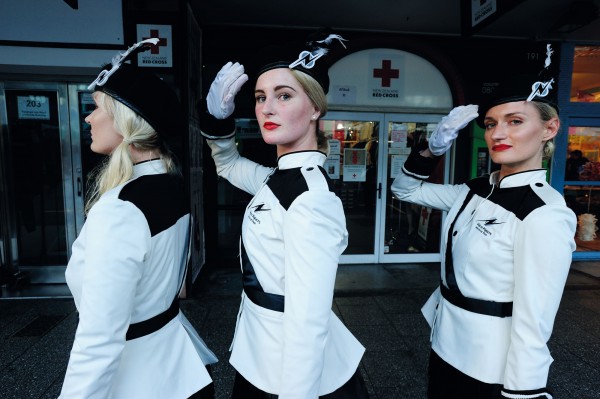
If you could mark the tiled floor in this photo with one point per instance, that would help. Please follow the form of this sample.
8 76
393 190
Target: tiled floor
380 304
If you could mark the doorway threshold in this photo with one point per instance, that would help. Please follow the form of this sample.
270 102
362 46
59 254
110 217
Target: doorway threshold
36 291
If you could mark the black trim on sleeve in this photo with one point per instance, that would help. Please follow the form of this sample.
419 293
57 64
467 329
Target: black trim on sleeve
419 166
213 128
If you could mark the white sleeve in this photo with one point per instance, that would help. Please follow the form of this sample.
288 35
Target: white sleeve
542 254
439 196
118 239
314 235
239 171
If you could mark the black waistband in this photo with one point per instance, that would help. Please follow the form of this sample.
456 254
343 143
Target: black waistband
490 308
137 330
254 290
265 300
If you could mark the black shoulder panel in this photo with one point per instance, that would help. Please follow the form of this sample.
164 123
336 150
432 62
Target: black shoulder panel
161 198
287 185
519 200
480 185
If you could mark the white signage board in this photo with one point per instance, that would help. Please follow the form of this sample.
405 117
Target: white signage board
481 9
161 54
33 107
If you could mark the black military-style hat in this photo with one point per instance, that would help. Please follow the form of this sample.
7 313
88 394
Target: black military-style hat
309 57
143 92
523 87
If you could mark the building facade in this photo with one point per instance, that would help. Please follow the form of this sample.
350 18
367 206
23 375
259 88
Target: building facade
387 93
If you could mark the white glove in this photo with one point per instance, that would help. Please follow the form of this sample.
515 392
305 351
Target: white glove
447 130
223 89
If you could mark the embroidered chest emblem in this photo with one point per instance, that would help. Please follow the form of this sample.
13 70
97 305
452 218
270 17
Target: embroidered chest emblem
254 210
486 226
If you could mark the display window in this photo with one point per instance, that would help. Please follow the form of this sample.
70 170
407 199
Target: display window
585 80
582 184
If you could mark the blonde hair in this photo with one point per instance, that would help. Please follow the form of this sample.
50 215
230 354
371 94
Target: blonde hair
547 112
317 96
117 168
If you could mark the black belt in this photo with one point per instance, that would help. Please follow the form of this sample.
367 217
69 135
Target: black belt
490 308
265 300
254 290
137 330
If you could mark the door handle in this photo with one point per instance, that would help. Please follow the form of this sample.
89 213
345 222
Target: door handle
379 191
79 182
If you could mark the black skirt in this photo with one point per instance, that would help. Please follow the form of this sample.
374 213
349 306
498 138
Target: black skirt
446 382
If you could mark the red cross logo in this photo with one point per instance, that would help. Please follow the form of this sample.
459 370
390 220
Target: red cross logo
155 49
386 73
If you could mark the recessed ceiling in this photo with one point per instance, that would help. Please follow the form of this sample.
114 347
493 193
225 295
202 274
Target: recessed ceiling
569 20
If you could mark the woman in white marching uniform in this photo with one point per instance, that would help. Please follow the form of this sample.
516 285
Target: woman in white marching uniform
288 343
129 261
507 251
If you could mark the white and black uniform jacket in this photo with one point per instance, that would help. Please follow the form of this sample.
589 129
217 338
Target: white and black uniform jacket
287 340
506 252
126 267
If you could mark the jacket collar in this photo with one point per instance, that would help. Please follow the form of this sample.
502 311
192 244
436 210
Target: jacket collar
153 167
518 179
301 158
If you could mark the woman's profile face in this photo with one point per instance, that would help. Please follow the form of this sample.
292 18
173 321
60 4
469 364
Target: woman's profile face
105 137
515 135
285 114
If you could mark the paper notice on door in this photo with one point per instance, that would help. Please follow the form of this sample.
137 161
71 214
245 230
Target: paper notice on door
397 162
399 135
332 166
33 107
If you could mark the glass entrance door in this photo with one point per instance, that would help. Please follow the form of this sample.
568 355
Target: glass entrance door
411 233
354 167
42 180
367 151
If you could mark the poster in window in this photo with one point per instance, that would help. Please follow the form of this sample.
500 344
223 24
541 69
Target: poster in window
355 164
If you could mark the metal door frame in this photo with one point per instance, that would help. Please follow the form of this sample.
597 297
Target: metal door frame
77 175
70 159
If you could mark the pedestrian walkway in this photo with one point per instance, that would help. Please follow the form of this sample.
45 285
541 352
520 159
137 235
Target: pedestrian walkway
380 304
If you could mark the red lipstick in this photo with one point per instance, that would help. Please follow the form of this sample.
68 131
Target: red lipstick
270 125
501 147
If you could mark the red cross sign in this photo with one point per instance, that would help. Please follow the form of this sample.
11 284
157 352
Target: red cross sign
155 49
386 73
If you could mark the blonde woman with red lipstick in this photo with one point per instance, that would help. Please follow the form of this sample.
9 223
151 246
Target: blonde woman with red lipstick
288 343
506 252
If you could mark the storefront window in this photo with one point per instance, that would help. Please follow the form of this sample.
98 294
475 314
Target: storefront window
585 82
582 184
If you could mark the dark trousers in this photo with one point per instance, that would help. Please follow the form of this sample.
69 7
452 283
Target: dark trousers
446 382
353 389
208 392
